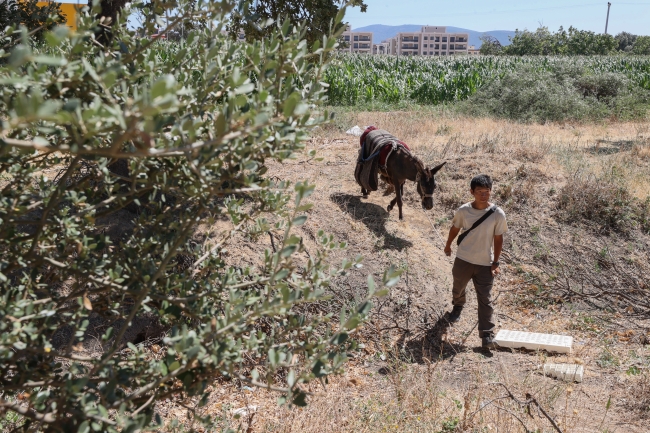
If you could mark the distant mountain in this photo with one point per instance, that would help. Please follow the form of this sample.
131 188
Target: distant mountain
381 32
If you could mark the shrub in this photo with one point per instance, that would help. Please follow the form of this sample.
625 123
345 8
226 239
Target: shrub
603 201
641 392
564 92
602 86
110 158
529 95
641 45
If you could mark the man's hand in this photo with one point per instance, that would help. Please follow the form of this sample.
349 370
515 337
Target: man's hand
453 232
495 270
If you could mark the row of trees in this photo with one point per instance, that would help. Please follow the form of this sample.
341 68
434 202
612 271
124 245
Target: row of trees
635 44
572 42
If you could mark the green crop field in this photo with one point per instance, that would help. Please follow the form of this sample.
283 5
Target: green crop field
359 79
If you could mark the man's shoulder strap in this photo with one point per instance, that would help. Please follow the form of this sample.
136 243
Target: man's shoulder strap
477 223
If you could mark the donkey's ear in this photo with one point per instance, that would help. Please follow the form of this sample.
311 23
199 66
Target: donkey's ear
435 169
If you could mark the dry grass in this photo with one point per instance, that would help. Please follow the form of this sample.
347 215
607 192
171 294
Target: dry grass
417 374
432 398
640 392
589 148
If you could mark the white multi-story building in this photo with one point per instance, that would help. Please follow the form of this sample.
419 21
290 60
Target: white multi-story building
381 48
391 46
429 41
357 42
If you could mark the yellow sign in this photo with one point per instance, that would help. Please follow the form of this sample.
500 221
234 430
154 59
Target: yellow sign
70 10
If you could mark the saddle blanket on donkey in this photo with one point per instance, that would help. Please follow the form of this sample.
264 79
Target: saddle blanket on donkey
376 145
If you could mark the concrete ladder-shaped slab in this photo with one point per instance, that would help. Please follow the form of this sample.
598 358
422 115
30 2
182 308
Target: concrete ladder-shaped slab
568 372
534 341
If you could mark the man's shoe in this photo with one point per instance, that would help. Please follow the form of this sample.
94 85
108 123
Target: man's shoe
489 343
454 316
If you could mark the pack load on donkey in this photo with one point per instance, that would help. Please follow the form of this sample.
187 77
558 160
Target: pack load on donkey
383 153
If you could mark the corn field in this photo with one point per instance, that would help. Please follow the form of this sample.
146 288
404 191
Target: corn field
357 79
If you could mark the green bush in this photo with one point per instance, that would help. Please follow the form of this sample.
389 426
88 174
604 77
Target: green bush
36 19
529 95
110 160
602 86
641 45
566 92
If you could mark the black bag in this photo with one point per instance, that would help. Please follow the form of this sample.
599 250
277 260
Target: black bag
476 224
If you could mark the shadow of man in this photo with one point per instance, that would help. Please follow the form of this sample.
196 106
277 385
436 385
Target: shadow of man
433 345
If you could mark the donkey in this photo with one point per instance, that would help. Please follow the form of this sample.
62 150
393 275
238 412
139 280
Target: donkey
403 166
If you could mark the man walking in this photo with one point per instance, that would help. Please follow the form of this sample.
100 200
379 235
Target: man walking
483 225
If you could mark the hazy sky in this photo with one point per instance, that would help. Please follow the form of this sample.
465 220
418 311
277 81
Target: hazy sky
632 15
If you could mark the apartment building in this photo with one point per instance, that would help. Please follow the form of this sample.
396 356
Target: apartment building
473 51
357 42
429 41
391 46
381 48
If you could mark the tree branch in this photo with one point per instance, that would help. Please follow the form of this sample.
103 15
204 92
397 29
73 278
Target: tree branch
28 412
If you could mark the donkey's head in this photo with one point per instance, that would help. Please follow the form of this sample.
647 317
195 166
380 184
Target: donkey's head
427 184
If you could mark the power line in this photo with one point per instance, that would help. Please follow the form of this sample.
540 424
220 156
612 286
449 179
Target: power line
507 11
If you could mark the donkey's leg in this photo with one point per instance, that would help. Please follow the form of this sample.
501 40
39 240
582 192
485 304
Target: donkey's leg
389 181
392 204
399 189
364 193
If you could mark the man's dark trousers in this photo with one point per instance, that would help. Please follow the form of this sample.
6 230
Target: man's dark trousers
482 278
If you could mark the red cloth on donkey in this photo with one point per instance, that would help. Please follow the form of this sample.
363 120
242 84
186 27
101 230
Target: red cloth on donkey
384 150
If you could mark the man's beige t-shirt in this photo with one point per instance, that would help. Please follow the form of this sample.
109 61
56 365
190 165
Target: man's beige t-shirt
476 248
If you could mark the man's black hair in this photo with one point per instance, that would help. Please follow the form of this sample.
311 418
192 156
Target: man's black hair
482 180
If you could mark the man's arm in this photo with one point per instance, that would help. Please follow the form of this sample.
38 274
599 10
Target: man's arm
498 246
453 232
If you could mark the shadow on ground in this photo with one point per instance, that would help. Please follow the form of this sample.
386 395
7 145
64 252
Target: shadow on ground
373 216
608 147
430 346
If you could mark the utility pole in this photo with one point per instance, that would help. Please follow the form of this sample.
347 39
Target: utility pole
609 4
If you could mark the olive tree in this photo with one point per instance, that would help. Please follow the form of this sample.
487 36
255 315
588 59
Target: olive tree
126 170
490 45
36 18
317 16
641 45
